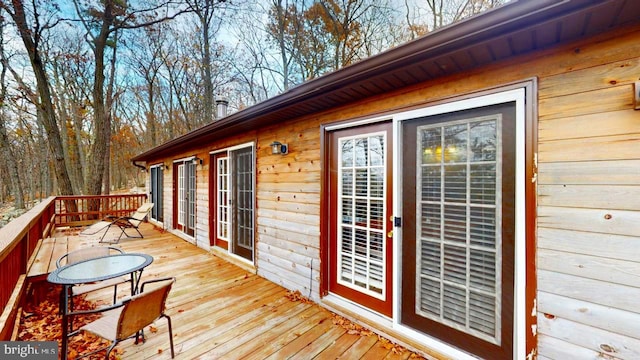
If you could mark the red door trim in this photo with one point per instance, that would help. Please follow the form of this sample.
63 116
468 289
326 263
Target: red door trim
329 220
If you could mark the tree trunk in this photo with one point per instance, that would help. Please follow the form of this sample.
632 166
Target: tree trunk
45 107
109 113
70 154
208 82
77 130
96 163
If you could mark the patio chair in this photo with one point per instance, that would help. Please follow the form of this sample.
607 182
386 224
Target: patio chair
122 222
129 317
91 253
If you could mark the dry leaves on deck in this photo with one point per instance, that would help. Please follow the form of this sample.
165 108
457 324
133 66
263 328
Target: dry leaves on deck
71 231
353 328
42 322
298 297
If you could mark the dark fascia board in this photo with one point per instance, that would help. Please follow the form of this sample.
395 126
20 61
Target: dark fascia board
497 22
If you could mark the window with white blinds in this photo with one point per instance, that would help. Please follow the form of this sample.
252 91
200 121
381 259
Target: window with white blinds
181 194
458 227
190 168
361 208
223 198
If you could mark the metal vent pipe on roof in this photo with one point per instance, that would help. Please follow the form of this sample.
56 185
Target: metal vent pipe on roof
221 108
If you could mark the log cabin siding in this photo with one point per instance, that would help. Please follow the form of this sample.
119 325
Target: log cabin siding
588 208
167 197
288 207
201 236
588 189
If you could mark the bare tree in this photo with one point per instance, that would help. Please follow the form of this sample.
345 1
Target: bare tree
205 10
285 28
147 63
102 25
70 73
32 34
6 150
446 12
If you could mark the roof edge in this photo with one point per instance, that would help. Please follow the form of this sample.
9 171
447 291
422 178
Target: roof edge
499 21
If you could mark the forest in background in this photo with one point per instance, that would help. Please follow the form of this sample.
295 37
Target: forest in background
87 84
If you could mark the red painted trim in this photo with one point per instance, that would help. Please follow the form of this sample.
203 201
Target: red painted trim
213 202
329 208
531 140
324 205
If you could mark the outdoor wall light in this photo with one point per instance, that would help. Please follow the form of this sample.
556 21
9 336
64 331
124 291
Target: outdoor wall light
279 148
196 161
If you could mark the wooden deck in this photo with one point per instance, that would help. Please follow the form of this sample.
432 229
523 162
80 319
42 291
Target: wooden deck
220 311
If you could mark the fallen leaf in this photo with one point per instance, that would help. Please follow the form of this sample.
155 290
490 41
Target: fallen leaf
44 323
297 297
153 329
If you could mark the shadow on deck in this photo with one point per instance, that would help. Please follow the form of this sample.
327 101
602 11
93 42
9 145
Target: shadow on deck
220 311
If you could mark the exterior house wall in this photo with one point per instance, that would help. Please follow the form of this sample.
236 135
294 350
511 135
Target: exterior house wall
167 197
201 237
588 251
589 207
288 207
588 212
202 204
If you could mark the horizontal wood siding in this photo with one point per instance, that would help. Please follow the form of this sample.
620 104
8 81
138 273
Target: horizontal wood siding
202 204
588 189
589 205
288 211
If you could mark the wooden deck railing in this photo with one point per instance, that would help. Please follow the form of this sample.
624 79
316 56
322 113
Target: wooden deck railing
83 210
19 238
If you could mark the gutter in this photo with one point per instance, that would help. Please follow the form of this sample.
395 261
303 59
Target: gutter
136 164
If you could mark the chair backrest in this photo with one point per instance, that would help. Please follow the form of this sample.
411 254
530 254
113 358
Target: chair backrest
143 309
86 254
137 217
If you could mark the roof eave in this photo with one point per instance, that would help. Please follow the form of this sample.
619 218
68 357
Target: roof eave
497 22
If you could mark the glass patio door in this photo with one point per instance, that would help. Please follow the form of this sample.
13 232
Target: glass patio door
156 193
220 201
232 201
360 254
242 202
185 197
458 228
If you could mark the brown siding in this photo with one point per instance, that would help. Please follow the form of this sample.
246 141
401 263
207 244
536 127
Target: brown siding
288 197
589 167
588 187
589 203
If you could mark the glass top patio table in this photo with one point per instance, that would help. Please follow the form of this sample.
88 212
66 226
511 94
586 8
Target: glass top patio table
98 269
92 270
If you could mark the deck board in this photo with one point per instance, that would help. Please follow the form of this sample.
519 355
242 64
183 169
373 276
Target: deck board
221 311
